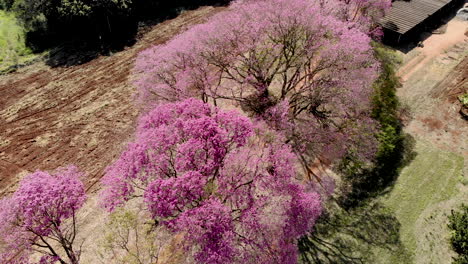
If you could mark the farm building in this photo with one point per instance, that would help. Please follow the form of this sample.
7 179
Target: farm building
406 20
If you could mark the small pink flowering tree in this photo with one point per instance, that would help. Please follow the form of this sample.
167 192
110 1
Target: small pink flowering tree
268 54
229 186
41 217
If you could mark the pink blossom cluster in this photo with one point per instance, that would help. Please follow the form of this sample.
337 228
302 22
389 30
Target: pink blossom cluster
360 14
251 45
173 140
36 212
228 184
306 55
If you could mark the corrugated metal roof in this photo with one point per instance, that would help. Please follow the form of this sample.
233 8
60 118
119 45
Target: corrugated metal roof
404 15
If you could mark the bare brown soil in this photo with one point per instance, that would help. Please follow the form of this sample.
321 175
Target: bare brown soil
82 115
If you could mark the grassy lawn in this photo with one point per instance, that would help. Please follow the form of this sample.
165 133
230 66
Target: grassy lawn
424 193
13 49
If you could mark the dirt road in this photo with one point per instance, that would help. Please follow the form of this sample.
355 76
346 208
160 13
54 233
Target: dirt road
82 115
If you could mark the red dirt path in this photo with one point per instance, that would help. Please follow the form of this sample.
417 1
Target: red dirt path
82 115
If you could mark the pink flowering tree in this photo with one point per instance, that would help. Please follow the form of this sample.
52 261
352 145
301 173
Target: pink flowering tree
290 62
229 186
41 217
361 14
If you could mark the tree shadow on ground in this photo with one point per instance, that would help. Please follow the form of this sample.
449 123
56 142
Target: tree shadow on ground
370 183
352 237
67 55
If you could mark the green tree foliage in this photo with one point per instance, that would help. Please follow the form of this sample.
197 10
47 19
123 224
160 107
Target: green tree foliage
12 44
395 147
386 105
89 7
30 10
130 239
6 4
463 99
104 22
458 225
89 18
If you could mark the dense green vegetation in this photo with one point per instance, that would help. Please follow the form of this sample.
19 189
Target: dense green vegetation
77 29
459 234
106 24
11 37
395 147
13 49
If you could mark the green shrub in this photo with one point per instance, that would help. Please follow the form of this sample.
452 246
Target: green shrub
129 239
395 147
6 4
464 99
12 40
458 225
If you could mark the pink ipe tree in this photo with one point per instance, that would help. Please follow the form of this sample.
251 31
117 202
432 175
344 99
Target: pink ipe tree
40 217
227 185
286 58
361 14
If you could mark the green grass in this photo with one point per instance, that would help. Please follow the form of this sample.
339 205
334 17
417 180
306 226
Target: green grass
407 225
13 49
430 179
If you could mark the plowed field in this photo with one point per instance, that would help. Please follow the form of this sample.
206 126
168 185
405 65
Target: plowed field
82 115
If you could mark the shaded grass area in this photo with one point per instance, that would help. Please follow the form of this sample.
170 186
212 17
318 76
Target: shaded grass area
429 179
352 236
406 225
13 50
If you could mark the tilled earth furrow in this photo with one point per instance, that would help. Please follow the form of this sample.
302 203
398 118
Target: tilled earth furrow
82 115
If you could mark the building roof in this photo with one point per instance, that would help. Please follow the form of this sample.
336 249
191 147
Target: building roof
404 15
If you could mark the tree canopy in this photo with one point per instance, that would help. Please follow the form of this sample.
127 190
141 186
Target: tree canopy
304 70
228 184
43 209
